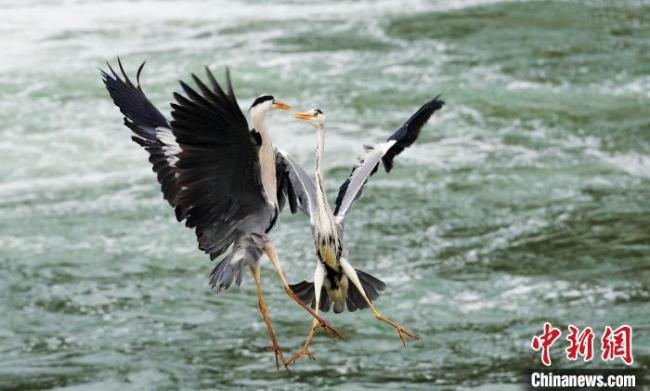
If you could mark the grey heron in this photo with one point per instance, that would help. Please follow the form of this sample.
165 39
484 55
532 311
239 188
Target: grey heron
223 177
342 282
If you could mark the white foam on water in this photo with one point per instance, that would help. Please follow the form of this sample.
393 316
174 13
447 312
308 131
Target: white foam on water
24 30
516 292
632 163
515 85
621 87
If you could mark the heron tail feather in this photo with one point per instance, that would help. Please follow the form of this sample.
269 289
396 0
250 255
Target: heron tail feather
225 273
354 300
304 290
371 285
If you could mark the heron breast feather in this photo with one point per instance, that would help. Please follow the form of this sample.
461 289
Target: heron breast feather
328 256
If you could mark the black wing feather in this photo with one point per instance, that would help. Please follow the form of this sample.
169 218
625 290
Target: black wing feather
142 117
218 167
403 138
409 132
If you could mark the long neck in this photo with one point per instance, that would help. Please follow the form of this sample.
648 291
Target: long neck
320 145
267 157
258 120
325 216
326 234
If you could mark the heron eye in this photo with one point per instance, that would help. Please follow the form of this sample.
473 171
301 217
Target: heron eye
316 114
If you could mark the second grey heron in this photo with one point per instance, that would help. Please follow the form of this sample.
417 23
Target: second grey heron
342 282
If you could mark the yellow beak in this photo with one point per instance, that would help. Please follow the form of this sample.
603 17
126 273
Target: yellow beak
305 116
280 105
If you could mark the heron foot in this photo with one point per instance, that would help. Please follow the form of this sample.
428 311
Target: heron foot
279 356
403 333
304 352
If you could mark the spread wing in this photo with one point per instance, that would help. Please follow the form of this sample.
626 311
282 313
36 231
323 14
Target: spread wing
351 189
218 168
294 185
144 119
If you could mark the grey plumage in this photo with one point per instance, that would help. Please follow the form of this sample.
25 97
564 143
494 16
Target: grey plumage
223 177
218 167
330 248
207 162
302 186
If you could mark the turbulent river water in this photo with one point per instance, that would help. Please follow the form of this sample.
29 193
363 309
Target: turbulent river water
525 200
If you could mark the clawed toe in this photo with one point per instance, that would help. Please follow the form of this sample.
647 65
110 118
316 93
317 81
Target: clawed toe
404 334
401 331
303 353
279 356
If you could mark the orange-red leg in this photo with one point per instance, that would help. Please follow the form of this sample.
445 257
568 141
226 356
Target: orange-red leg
279 357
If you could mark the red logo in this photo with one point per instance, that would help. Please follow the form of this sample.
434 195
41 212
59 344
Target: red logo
617 344
581 343
614 343
545 341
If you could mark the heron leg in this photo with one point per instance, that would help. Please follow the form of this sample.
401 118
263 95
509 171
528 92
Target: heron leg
352 275
256 271
319 275
269 249
304 351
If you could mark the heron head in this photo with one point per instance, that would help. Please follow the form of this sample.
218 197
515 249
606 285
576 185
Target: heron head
266 103
313 116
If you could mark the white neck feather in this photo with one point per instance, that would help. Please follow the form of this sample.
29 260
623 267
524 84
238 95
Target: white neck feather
266 153
258 119
324 219
320 146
